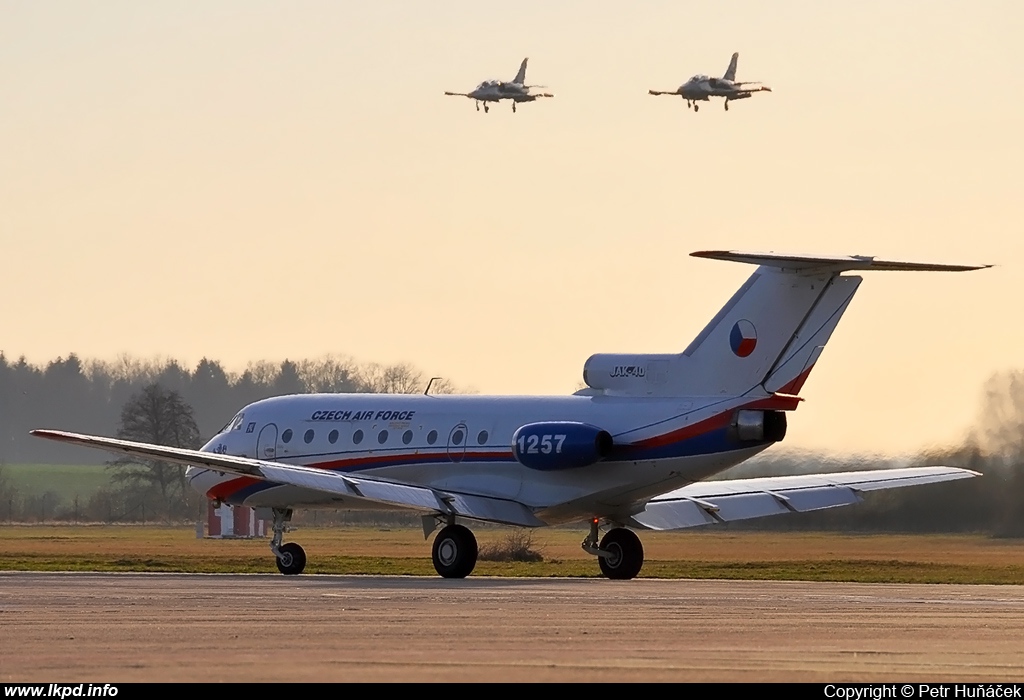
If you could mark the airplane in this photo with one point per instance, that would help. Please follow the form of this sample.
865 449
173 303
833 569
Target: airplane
631 450
701 87
497 90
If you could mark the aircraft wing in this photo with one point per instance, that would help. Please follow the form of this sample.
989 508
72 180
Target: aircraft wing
708 502
387 492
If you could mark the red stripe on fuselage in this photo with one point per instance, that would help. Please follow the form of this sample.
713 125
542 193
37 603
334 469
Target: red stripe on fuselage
776 402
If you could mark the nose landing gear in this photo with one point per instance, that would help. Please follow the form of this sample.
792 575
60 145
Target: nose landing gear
291 558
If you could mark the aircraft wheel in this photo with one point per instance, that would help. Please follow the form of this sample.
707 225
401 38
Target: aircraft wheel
454 552
627 554
696 107
292 559
727 106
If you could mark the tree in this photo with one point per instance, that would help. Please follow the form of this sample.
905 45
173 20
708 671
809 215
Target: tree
160 416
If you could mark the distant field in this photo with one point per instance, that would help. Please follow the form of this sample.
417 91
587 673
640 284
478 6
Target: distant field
366 550
66 480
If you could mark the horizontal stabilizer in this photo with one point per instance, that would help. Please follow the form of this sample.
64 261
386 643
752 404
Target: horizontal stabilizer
817 263
707 502
413 497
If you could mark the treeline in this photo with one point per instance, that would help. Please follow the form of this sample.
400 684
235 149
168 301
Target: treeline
91 397
87 396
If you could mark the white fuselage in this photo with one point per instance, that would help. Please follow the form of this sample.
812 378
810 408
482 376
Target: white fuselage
464 444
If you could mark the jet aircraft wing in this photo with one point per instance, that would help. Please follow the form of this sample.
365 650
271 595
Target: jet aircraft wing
708 502
394 493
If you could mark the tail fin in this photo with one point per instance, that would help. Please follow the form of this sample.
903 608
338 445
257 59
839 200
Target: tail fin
774 328
767 337
730 73
521 75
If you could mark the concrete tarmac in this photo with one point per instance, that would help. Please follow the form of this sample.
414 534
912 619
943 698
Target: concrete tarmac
109 628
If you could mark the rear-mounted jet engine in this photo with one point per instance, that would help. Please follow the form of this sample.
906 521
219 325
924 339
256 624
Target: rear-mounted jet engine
560 445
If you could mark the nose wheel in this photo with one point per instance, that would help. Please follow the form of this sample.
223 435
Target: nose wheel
291 558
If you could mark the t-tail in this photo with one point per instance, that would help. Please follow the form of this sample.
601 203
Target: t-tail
766 338
521 75
730 73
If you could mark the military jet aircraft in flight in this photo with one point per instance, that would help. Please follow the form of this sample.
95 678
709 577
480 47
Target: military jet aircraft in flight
497 90
700 88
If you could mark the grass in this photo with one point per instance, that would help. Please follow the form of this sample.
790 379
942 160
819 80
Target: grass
972 559
66 480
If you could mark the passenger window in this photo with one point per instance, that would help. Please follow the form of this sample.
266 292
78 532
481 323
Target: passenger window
357 437
308 437
457 437
482 437
431 437
332 437
383 437
286 436
407 437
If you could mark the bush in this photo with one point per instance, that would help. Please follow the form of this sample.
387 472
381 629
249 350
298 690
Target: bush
516 546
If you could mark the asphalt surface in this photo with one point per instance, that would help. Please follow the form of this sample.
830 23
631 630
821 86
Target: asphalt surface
109 628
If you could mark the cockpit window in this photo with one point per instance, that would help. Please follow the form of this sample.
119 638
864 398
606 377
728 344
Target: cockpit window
233 424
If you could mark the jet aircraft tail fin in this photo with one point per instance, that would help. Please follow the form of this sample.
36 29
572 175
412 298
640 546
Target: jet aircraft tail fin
521 75
776 325
766 338
730 73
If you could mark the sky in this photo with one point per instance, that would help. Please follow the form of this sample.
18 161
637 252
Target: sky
255 180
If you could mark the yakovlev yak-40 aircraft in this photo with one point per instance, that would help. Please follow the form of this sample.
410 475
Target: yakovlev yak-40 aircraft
630 451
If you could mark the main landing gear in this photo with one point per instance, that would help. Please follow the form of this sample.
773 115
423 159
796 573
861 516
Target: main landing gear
513 107
620 555
727 105
454 551
291 558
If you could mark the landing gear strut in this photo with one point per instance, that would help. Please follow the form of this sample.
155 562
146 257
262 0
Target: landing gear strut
454 551
727 105
620 556
291 558
486 108
513 108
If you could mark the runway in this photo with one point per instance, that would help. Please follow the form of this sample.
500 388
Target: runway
109 628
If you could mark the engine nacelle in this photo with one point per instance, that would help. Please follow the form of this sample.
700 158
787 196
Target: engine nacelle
637 374
560 445
759 426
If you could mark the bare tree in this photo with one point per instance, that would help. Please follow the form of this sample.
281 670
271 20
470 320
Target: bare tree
400 378
160 416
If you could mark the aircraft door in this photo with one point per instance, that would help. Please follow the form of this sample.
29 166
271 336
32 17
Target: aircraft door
457 439
266 443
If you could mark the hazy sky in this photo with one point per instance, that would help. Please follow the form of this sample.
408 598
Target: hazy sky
260 180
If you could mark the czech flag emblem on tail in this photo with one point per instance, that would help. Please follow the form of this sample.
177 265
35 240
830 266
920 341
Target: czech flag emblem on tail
743 338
